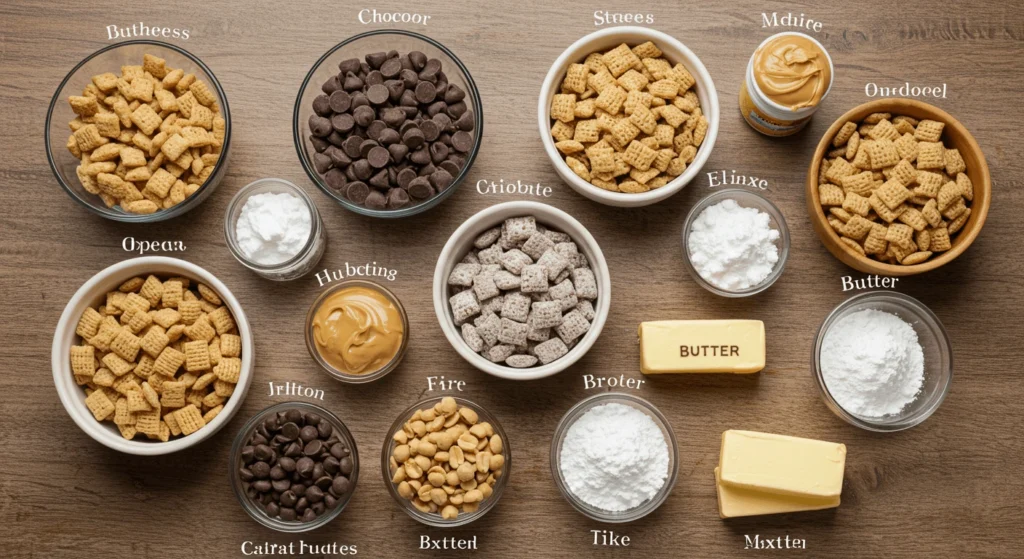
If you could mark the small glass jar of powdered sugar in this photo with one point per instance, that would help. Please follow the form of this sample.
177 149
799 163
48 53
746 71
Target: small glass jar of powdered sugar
273 228
735 242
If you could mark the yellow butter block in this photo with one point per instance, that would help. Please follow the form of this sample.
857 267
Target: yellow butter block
736 501
781 464
701 346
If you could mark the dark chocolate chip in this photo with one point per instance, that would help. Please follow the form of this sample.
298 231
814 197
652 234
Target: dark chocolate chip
262 485
260 470
351 146
413 138
430 69
374 78
378 157
418 59
393 116
443 122
376 201
359 99
335 179
319 144
321 162
375 128
425 92
339 101
426 170
287 514
389 136
455 110
465 122
405 178
397 199
352 82
304 467
437 107
441 179
398 151
346 462
462 141
378 93
357 192
395 89
409 78
408 99
375 59
420 188
349 65
315 494
364 115
336 138
290 431
322 105
450 166
438 152
430 130
391 68
381 180
342 122
420 156
362 169
366 145
308 516
331 85
319 126
338 157
454 94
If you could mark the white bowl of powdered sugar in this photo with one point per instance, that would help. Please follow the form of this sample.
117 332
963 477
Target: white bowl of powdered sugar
883 361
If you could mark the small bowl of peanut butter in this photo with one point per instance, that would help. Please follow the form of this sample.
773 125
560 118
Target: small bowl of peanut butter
357 331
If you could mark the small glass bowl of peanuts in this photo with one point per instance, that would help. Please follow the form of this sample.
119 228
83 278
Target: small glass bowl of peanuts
446 461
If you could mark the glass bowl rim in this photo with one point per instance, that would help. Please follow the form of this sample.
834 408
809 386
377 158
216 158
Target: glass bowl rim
346 377
942 338
478 117
432 519
770 208
642 510
236 483
161 214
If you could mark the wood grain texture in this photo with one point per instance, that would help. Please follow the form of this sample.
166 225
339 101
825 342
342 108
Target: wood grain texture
949 488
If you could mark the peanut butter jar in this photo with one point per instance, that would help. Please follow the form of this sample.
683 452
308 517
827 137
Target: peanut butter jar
788 77
357 331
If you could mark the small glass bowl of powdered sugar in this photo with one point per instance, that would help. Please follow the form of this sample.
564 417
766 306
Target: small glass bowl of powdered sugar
274 229
614 457
736 243
883 361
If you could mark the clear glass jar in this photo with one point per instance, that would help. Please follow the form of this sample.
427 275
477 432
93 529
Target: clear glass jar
295 267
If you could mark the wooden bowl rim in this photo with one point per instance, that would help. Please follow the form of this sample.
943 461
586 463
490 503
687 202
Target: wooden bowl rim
979 207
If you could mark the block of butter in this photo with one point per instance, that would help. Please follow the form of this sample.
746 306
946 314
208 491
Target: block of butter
782 465
701 346
734 501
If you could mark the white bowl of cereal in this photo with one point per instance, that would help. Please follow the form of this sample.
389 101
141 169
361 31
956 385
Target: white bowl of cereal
667 140
528 310
125 317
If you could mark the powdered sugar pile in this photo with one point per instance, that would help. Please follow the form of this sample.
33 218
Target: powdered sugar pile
732 247
872 363
614 457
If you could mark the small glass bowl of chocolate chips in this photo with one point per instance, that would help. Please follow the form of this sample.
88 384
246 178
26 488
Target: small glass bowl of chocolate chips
294 466
388 123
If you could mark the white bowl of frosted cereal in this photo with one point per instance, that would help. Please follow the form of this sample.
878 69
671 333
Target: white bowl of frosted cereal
152 355
648 131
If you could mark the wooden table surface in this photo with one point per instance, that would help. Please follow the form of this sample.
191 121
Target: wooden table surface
948 488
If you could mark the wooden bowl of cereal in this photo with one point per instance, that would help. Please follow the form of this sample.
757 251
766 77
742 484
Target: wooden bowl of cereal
152 355
898 187
649 130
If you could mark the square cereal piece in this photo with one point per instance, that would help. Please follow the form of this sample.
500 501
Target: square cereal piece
462 274
838 169
929 131
928 184
611 99
966 186
516 306
632 81
212 413
83 360
883 154
931 213
152 290
875 242
563 107
830 195
931 155
620 59
154 342
189 310
954 162
883 210
146 119
585 108
893 193
230 345
514 260
499 353
100 405
954 212
534 279
904 172
636 99
484 286
189 420
137 402
169 361
948 195
553 262
683 78
624 131
166 318
512 332
144 368
472 338
600 80
906 146
884 130
665 88
88 323
122 415
585 283
229 369
569 147
148 422
647 50
856 228
856 204
197 356
126 345
587 131
576 78
913 217
537 245
573 326
545 314
644 119
562 131
940 241
550 350
464 306
639 156
222 320
900 234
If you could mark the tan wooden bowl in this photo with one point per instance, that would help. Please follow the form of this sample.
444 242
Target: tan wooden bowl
955 134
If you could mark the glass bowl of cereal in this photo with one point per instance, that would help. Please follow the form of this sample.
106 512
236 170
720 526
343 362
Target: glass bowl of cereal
446 461
897 213
388 123
152 383
671 121
139 131
294 467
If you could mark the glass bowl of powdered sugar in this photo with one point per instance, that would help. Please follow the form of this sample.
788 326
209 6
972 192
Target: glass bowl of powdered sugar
883 361
736 243
614 457
273 228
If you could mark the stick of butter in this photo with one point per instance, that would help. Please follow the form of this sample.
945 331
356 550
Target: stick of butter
782 465
701 346
736 501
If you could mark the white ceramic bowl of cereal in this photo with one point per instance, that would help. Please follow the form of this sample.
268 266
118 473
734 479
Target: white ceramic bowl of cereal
459 245
91 294
606 39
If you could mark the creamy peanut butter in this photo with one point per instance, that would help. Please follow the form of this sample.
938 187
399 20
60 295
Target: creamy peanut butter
792 70
358 330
